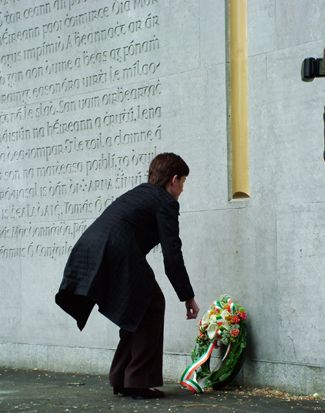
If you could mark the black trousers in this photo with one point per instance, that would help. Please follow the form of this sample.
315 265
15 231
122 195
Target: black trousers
137 362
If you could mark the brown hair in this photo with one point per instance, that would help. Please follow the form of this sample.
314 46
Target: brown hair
164 166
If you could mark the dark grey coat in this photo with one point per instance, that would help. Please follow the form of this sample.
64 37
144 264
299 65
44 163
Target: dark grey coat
108 267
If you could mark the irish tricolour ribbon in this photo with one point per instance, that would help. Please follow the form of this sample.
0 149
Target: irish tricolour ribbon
188 378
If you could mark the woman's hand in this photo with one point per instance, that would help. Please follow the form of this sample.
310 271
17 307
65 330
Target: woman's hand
192 309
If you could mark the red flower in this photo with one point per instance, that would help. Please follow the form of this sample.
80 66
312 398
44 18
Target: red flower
242 315
234 332
235 319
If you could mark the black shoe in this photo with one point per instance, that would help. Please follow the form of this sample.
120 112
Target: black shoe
120 390
145 393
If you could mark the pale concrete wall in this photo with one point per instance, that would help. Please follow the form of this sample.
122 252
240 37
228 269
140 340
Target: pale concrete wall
267 252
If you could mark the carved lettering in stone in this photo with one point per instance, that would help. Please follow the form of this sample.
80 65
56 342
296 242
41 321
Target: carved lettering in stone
80 115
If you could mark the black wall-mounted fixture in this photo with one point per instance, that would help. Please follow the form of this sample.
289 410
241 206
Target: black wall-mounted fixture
312 68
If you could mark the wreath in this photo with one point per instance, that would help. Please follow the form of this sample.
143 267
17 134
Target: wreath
221 328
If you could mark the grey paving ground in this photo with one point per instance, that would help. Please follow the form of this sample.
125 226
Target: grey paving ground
47 392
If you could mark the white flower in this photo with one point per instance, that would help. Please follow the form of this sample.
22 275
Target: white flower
213 319
225 314
205 319
211 331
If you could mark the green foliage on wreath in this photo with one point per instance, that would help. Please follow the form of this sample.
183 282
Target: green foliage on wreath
229 364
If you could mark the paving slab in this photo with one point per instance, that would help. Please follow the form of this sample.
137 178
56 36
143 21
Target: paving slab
48 392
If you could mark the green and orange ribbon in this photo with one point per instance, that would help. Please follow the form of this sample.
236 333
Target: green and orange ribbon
188 378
